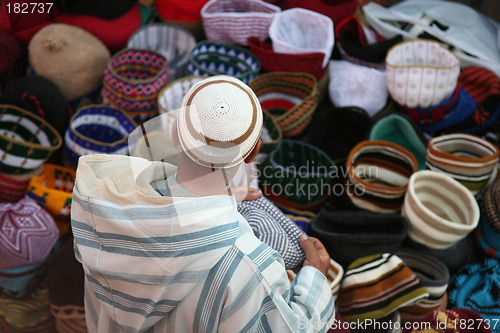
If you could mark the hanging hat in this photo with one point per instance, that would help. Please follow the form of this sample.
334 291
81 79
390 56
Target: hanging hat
357 85
468 159
375 286
66 290
213 59
52 190
30 315
421 73
311 63
298 175
28 234
336 10
132 80
219 122
377 175
476 287
97 129
39 96
298 30
291 98
80 58
26 140
173 42
349 235
11 56
170 96
14 187
233 21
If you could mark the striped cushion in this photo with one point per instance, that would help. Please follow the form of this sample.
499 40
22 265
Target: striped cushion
466 158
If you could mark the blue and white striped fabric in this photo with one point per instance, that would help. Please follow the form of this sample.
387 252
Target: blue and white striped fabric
158 264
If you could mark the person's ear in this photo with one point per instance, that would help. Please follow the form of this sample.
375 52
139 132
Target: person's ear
254 152
175 135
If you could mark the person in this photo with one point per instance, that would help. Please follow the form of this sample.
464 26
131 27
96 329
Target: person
164 248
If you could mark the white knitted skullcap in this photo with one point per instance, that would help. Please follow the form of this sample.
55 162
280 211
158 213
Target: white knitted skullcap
219 122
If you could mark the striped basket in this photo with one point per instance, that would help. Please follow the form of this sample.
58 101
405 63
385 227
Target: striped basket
14 187
290 97
170 97
297 175
213 59
271 134
26 140
132 80
233 21
97 129
175 43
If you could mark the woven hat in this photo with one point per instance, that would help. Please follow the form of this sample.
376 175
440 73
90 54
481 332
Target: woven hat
52 190
466 158
291 98
80 56
357 85
349 235
11 56
22 282
298 175
170 96
39 96
233 21
475 287
26 140
311 63
174 43
28 234
377 175
132 80
97 129
298 30
219 122
421 73
441 211
14 187
375 286
488 232
66 290
271 133
456 320
336 10
214 59
401 130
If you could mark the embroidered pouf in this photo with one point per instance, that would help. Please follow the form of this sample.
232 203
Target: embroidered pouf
170 96
298 175
421 73
209 59
132 80
52 190
378 174
174 43
97 129
26 140
290 97
466 158
233 21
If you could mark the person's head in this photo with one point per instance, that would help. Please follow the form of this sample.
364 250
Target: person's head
219 124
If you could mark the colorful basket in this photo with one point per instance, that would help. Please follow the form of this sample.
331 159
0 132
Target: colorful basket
132 80
298 175
97 129
291 98
175 43
233 21
170 97
26 140
213 59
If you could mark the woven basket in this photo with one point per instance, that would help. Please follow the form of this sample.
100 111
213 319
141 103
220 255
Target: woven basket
97 129
26 140
175 43
291 98
298 175
132 80
170 97
213 59
271 134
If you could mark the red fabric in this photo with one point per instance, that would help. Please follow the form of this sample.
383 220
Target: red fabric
180 10
337 10
113 33
10 55
271 61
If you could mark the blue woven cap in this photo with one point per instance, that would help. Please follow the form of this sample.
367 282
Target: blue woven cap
213 59
97 129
